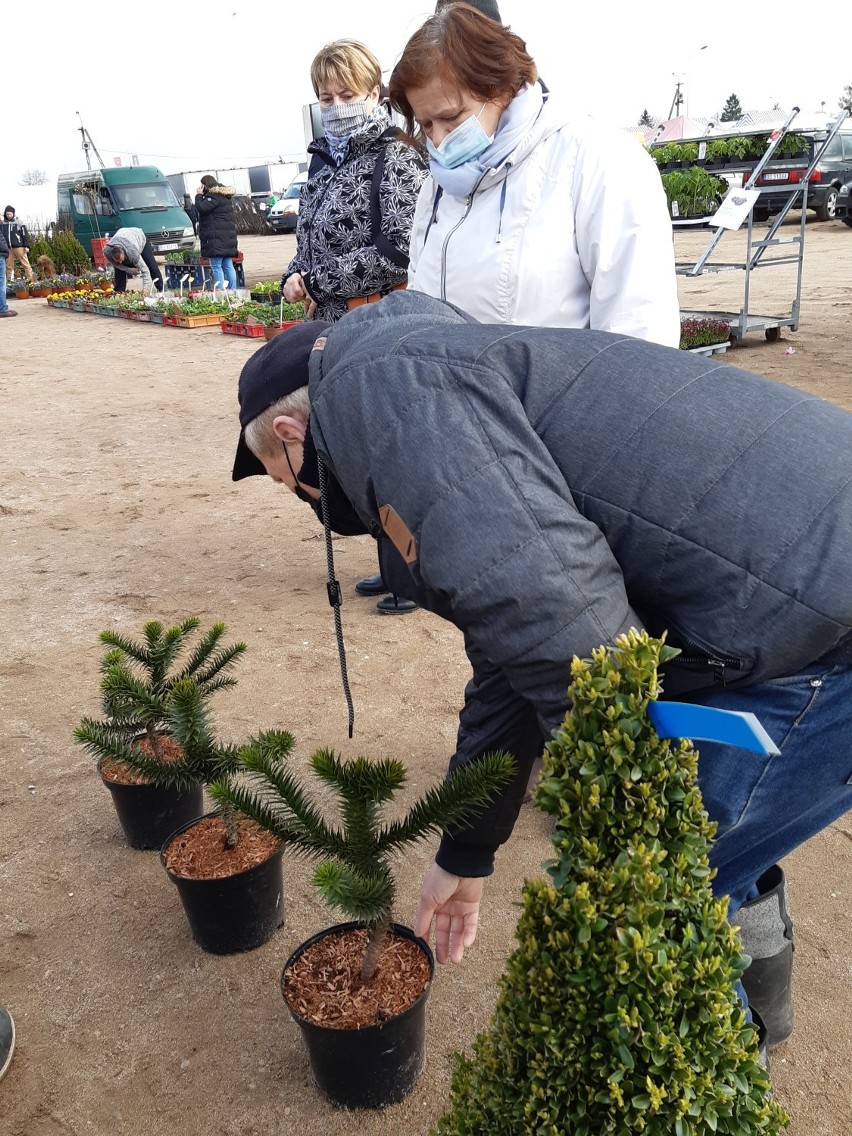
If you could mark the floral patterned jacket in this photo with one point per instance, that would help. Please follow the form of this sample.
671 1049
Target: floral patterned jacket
337 234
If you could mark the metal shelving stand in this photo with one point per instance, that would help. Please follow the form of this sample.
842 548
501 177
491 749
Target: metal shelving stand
745 321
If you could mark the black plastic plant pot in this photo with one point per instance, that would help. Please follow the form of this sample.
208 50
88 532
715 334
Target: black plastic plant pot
150 813
374 1066
233 913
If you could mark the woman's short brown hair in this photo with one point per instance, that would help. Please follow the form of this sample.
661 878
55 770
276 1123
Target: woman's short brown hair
468 51
348 63
209 182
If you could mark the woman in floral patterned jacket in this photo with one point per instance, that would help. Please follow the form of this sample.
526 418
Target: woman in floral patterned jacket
357 206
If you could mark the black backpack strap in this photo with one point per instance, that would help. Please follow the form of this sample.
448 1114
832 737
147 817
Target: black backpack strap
380 241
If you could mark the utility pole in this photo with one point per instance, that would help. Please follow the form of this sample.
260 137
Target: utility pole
88 144
677 101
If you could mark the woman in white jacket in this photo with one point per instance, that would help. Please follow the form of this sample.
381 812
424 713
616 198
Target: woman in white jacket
529 216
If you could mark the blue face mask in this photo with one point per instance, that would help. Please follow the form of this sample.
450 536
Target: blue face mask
461 145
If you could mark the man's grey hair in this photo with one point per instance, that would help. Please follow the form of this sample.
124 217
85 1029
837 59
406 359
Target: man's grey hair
260 436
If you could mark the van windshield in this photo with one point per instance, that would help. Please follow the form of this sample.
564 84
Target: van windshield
145 197
294 190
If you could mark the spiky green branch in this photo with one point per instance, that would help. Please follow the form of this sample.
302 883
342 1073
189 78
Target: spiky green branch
355 872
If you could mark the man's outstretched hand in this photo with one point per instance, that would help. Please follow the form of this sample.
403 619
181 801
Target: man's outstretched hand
453 902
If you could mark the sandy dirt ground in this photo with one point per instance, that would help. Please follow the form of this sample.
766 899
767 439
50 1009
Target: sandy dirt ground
116 506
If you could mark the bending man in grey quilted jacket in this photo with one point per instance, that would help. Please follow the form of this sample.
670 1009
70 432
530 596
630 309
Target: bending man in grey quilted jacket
547 489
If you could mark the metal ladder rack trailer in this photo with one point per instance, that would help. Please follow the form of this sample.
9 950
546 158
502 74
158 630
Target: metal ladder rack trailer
744 321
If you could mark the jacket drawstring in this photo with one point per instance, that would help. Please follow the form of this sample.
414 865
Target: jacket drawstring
507 167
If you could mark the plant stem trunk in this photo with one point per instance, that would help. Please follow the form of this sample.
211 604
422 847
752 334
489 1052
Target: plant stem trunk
376 936
154 741
229 819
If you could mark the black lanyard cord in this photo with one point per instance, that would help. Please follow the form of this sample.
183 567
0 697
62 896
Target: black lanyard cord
334 597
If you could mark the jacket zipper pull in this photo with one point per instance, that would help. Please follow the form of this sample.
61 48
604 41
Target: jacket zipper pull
718 671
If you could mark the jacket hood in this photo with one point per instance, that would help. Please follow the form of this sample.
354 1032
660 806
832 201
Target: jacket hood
222 191
9 209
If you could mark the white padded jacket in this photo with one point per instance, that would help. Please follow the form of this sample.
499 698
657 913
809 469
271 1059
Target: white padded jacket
572 230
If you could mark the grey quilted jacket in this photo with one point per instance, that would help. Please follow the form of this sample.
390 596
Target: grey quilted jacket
549 488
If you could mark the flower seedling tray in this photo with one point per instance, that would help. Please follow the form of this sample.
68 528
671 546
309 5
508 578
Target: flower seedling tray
156 317
140 317
78 305
170 321
251 330
197 321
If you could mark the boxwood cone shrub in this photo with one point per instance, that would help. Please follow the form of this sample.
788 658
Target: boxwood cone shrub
617 1011
355 873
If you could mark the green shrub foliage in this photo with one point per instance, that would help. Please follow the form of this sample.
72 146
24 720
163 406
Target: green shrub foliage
617 1012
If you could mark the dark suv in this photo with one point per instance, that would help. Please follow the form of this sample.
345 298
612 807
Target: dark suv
844 204
833 171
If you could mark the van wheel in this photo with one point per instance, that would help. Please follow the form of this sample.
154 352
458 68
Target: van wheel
847 221
828 210
760 214
773 334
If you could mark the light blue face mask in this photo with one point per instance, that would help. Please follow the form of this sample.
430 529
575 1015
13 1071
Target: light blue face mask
461 145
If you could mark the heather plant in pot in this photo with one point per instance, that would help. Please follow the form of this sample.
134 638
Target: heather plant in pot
137 678
366 1042
617 1011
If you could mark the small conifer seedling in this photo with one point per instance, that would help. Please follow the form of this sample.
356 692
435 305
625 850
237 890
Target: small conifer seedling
137 679
617 1012
355 873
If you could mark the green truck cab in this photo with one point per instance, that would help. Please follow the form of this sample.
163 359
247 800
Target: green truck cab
97 202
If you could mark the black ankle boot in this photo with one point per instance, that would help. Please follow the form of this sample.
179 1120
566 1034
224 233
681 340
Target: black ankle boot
767 938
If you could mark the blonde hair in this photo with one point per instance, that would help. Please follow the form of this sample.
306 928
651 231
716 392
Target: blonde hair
348 63
261 438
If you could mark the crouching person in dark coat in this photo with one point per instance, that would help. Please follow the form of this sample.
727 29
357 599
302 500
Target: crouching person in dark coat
546 490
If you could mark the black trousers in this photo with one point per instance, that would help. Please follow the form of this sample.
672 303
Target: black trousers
121 276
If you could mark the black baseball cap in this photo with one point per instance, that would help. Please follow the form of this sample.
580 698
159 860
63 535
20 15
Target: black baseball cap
276 370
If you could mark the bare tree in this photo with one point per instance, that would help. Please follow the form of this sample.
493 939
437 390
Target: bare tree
33 177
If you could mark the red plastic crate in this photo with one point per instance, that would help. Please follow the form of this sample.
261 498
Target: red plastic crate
97 246
251 330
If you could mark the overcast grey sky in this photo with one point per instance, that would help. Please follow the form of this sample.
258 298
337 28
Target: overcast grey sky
222 83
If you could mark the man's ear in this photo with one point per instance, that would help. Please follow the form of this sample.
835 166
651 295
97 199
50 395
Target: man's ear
290 428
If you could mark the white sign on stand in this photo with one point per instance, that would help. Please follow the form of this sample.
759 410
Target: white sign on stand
736 206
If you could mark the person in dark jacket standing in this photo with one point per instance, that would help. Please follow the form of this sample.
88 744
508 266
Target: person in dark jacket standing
356 208
5 310
217 229
18 240
547 489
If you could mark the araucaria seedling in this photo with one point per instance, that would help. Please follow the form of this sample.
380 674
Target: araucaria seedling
617 1011
356 870
137 679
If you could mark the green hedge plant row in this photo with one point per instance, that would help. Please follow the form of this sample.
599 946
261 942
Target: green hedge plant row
736 149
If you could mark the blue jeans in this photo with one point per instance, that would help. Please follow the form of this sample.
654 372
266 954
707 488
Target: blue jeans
4 307
767 806
218 263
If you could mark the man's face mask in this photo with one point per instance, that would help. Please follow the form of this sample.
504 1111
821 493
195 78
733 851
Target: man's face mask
461 145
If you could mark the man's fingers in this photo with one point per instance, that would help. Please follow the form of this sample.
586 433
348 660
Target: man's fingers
425 915
443 931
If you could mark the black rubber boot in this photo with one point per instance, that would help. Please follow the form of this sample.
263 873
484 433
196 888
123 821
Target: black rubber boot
767 937
7 1039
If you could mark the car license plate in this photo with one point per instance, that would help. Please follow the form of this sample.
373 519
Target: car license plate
169 247
776 177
